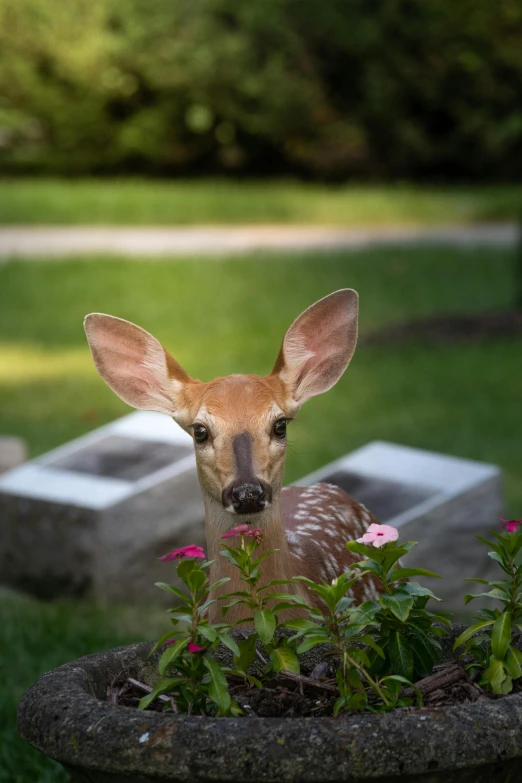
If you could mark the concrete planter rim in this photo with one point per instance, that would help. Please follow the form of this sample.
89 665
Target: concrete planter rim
63 715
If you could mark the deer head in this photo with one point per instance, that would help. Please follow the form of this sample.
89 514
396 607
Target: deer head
238 423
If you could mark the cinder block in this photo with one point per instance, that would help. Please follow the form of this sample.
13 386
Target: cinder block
93 516
13 451
440 501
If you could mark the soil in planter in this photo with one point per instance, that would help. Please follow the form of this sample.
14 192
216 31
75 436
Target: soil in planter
288 695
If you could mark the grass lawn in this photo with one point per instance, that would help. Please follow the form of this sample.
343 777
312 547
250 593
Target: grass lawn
36 637
178 202
230 316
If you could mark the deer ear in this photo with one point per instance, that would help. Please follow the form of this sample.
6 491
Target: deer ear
135 365
318 346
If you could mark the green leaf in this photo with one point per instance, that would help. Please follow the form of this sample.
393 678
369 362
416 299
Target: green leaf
405 573
495 675
513 662
284 658
476 579
425 650
498 559
219 582
360 549
280 582
218 688
501 635
416 590
227 640
161 641
496 594
370 641
259 560
196 579
399 605
171 654
471 631
265 624
247 653
397 678
184 568
401 655
162 687
300 625
180 616
365 612
173 590
311 641
208 632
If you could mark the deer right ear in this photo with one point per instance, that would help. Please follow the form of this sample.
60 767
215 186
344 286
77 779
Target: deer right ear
136 366
318 347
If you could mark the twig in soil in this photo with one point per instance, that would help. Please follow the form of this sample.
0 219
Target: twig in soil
439 680
301 680
146 688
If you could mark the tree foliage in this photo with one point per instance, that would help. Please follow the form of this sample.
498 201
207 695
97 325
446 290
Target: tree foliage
374 88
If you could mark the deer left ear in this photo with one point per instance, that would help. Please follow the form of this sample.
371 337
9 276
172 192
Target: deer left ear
319 345
137 367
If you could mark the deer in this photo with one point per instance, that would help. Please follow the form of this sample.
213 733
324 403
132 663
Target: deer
238 424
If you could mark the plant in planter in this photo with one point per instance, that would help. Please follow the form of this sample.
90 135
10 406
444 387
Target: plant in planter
199 685
68 715
489 644
262 602
381 644
397 628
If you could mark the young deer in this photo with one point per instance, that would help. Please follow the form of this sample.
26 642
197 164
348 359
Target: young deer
238 424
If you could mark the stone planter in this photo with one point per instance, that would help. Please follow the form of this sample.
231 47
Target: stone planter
66 717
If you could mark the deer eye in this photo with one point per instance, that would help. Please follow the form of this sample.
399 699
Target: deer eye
280 428
200 433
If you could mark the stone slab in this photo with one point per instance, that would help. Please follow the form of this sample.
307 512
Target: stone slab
13 451
93 516
443 502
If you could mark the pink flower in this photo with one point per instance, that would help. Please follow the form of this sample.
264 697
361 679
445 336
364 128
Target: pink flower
244 530
194 648
511 525
378 535
184 551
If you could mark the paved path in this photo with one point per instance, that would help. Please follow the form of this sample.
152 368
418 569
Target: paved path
48 241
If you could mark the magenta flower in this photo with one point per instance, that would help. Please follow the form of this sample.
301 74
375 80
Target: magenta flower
244 530
378 535
184 551
194 648
511 525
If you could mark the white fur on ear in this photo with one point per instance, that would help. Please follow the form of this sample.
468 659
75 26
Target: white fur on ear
319 345
134 364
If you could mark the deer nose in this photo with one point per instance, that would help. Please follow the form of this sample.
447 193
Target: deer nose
248 498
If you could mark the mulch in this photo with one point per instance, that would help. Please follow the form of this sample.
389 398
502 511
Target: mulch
287 695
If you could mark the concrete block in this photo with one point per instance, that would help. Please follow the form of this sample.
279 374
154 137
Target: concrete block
93 516
13 451
440 501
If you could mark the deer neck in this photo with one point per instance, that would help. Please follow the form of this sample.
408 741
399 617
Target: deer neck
279 565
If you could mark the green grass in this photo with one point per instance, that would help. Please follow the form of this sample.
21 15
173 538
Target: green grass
178 202
230 316
35 638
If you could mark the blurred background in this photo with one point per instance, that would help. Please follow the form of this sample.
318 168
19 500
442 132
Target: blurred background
400 116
